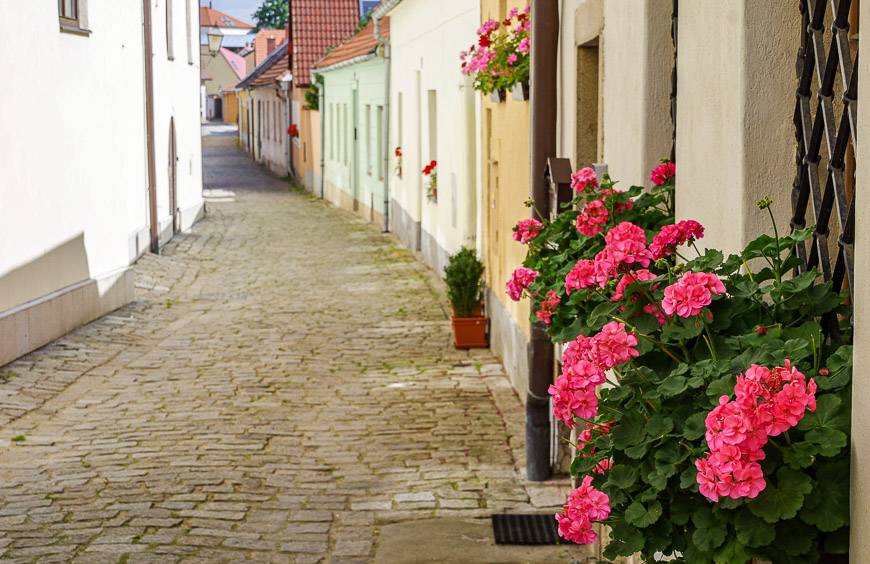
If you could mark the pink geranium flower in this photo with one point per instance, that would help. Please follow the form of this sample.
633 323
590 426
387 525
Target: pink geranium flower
584 178
691 293
592 218
626 244
662 173
527 229
548 307
521 279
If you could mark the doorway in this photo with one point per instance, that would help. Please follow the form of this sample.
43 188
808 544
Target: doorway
173 177
355 158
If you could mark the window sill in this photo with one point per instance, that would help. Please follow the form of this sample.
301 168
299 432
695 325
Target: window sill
74 29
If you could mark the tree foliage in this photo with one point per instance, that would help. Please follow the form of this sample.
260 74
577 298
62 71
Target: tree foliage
272 14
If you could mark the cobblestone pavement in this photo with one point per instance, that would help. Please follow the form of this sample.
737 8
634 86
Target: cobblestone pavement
283 386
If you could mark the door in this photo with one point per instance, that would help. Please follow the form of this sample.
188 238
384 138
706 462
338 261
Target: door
173 178
218 108
355 159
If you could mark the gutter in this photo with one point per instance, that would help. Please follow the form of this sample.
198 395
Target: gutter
385 150
545 46
349 62
154 228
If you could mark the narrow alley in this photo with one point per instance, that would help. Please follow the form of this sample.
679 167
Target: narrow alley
284 388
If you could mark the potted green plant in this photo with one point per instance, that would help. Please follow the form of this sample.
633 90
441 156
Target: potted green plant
464 278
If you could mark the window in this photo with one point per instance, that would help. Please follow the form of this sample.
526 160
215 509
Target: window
72 15
170 48
379 142
346 132
433 125
188 6
588 149
368 139
270 45
399 118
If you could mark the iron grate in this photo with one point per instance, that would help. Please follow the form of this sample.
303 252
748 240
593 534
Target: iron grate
526 529
824 184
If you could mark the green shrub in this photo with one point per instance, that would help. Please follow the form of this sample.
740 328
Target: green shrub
464 277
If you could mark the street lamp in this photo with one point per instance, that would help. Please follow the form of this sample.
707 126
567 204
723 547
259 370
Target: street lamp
215 39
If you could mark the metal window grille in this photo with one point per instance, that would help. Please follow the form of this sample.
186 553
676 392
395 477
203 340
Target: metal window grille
674 28
825 121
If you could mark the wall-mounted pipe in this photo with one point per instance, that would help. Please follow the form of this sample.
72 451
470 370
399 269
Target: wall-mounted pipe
545 43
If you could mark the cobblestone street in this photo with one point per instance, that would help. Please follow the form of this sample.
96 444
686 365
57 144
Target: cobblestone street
283 388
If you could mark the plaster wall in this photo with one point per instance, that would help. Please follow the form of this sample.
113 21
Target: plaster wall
354 168
735 138
306 147
426 39
859 549
74 184
270 128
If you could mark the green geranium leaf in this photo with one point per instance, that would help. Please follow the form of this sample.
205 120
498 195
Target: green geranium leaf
839 367
837 542
783 500
723 386
829 414
710 531
732 553
682 330
622 476
658 426
638 451
694 428
709 261
797 349
799 455
828 507
689 478
795 538
625 540
752 531
641 515
630 431
673 386
681 510
829 441
798 283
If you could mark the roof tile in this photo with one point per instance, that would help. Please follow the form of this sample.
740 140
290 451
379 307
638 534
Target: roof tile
317 24
209 17
360 44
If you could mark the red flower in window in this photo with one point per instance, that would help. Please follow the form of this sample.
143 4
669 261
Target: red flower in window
292 130
429 168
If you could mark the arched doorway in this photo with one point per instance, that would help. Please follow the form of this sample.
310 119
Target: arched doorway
172 171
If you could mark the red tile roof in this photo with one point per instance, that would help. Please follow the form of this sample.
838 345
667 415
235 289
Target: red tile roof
360 44
317 24
261 43
209 17
270 70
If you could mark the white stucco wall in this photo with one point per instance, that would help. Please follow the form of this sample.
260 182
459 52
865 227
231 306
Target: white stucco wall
426 39
270 128
735 138
73 175
635 61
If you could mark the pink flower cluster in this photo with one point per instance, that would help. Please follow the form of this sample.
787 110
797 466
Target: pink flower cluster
662 173
585 448
768 403
584 363
585 505
527 229
691 293
583 178
625 245
521 279
548 307
672 236
592 218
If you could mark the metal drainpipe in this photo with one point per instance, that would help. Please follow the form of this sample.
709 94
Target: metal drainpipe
149 127
385 45
545 42
321 103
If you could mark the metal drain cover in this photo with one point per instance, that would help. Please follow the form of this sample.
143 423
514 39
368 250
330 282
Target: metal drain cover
525 529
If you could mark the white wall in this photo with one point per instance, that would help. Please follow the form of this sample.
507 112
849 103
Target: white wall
73 174
177 97
271 124
426 39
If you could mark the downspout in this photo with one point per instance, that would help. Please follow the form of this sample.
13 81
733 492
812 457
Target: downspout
321 104
149 127
545 42
385 46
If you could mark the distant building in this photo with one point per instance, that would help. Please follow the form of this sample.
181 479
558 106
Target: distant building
223 69
265 109
317 25
354 121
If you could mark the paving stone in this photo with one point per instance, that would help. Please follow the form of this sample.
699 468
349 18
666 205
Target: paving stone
283 384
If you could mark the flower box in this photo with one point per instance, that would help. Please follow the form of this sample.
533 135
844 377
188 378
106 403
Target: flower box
520 91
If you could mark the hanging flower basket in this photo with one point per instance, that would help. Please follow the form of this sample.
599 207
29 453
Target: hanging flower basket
501 56
398 154
498 95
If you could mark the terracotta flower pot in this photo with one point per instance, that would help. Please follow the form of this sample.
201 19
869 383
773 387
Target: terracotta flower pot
470 332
